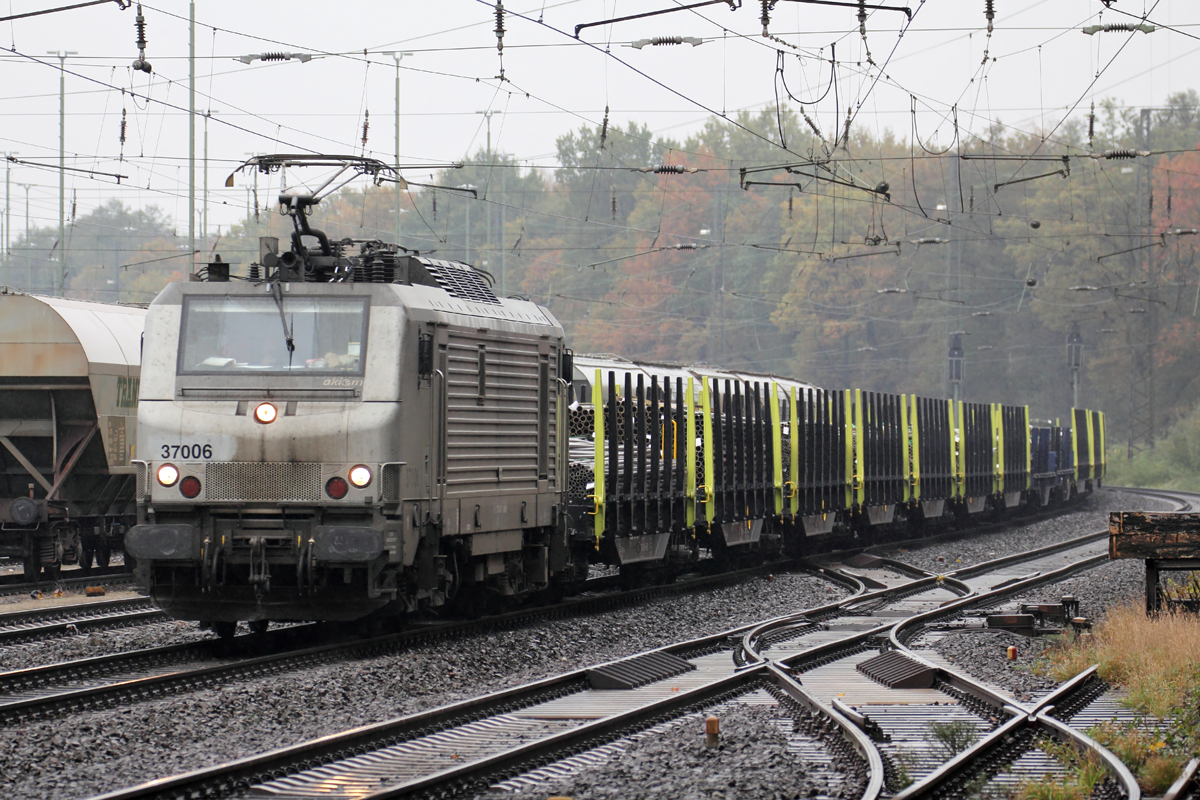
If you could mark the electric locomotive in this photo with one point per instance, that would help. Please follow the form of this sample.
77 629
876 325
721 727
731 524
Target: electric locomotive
353 429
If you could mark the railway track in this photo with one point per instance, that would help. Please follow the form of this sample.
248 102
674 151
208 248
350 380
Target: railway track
39 624
112 680
20 627
15 584
806 664
1188 501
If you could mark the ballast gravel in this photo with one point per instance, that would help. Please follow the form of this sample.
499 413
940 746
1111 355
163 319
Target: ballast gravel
99 643
983 654
750 761
94 752
1096 590
958 553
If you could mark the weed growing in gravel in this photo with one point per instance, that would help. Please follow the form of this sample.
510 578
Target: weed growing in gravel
1146 749
1154 660
901 777
951 738
1086 770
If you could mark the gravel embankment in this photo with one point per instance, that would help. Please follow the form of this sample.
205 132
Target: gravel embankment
751 761
984 655
99 751
1091 516
1097 590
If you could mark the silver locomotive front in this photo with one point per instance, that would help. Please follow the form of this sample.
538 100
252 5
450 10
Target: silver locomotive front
269 419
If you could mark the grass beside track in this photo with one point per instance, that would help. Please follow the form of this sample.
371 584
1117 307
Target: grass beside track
1156 662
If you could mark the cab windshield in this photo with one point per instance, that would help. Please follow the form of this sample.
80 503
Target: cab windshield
247 335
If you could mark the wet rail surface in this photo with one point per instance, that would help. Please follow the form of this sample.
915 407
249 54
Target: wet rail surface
808 664
30 625
107 681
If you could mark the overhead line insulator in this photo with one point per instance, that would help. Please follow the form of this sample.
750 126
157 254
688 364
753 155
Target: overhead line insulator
275 56
500 35
141 64
1119 27
664 41
1122 153
668 169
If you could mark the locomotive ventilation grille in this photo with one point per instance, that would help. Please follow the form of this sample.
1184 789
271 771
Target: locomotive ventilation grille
465 284
255 481
389 483
143 479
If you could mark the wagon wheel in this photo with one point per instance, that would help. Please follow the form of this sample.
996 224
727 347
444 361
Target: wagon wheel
86 555
225 629
103 553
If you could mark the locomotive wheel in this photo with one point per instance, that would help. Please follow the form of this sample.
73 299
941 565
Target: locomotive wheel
85 559
260 625
225 630
52 571
31 567
103 554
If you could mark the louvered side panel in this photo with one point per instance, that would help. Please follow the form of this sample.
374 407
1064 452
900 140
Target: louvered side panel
494 411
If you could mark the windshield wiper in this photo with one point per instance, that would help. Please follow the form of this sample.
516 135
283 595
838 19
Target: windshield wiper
277 293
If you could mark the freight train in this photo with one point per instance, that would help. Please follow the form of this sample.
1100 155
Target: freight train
69 374
353 429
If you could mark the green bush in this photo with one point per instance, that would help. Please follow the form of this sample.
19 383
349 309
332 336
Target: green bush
1173 464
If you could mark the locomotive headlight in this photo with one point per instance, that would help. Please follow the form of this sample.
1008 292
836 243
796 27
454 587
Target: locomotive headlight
360 476
265 413
168 474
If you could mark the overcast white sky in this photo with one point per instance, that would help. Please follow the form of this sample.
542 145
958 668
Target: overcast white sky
1044 67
